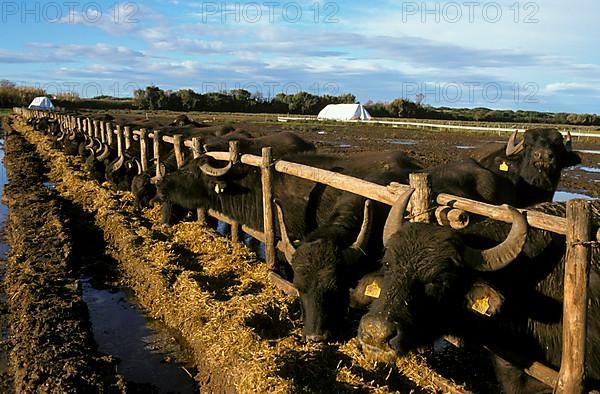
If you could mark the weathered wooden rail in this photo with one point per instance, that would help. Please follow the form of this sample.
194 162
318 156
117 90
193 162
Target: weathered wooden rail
576 226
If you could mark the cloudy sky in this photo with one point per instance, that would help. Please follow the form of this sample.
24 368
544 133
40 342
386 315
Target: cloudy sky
504 54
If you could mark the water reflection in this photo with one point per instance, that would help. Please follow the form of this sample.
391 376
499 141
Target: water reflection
566 196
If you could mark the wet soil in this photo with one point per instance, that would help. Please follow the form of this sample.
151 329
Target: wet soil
51 346
68 333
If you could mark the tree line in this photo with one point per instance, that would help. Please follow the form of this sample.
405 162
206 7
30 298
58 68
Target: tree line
237 100
301 103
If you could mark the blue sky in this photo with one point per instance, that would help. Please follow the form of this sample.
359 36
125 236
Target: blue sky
498 54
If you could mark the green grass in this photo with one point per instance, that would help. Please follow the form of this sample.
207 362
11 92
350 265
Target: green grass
5 111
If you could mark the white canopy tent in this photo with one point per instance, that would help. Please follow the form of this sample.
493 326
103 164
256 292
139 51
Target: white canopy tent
344 112
42 103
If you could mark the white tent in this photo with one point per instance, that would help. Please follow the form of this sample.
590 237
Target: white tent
344 112
42 103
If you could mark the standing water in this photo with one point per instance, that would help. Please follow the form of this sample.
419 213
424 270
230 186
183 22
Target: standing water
150 357
4 333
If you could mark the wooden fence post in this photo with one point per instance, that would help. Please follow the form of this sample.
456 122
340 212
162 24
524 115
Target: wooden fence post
79 124
119 141
266 171
102 131
178 148
196 152
127 134
90 130
109 134
156 144
575 301
421 198
196 148
96 129
144 149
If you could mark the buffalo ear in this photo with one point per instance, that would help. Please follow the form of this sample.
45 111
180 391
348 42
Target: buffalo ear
367 290
572 159
483 299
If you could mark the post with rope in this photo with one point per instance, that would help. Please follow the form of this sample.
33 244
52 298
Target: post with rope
196 152
420 201
577 269
266 170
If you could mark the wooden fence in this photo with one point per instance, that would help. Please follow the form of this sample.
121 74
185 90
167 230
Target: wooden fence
452 211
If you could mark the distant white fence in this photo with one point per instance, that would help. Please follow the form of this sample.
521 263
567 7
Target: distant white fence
432 125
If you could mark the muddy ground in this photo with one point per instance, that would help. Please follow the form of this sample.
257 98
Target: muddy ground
430 148
51 346
243 333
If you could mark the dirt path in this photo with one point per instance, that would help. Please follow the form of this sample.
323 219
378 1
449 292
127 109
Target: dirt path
51 346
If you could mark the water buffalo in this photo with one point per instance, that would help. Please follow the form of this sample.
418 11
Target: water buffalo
333 227
521 174
429 275
281 143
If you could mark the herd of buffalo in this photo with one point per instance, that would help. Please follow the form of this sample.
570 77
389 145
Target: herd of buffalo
497 283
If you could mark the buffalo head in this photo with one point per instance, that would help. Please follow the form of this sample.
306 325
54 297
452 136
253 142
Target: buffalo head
324 271
537 159
427 276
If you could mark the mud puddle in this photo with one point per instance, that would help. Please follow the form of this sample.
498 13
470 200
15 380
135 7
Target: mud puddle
589 169
150 355
397 141
561 196
152 358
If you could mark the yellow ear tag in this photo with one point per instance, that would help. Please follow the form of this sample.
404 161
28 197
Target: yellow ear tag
503 166
373 290
482 306
297 242
218 189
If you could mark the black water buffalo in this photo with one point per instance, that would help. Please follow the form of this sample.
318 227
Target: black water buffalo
184 120
330 224
430 273
282 143
521 174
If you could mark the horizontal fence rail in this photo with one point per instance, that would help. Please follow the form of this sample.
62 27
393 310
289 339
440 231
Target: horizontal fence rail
578 231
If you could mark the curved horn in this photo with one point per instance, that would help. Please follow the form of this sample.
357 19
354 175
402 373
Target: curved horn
98 144
216 172
569 142
90 142
503 254
162 170
119 163
363 236
284 243
72 136
61 136
138 165
104 154
395 218
511 148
